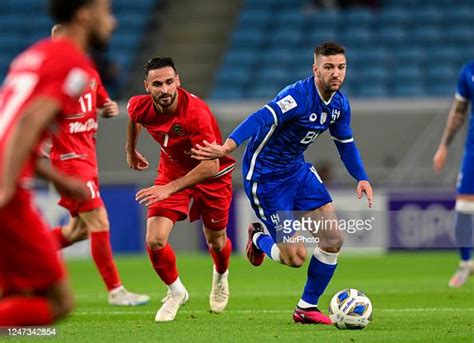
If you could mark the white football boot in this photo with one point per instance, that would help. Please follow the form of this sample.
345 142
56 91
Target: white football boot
460 277
219 296
121 297
171 305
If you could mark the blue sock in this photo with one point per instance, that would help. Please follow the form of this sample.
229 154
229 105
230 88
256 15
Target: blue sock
319 275
265 243
463 229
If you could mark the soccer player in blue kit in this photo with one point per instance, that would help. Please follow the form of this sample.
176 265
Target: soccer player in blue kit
278 180
464 216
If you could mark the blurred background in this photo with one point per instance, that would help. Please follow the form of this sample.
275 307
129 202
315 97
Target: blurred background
404 57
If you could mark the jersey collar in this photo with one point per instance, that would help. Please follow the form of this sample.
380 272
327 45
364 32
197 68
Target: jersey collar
319 94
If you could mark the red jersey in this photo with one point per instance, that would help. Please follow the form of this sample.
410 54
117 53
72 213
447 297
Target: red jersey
191 124
54 69
73 138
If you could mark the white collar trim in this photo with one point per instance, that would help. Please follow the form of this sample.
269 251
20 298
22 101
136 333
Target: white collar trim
321 97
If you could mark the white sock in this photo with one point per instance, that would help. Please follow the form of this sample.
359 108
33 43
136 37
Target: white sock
304 304
255 238
177 287
275 253
325 257
116 289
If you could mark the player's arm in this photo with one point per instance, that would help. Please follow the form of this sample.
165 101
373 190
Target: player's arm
34 119
456 118
135 159
64 184
198 174
109 109
276 111
341 133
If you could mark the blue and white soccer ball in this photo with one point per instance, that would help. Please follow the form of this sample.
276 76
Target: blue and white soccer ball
350 309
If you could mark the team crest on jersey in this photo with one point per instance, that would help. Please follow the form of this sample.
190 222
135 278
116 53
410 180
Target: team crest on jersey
287 103
323 118
177 130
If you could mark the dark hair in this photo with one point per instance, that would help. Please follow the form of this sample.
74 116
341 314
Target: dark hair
158 63
62 11
329 48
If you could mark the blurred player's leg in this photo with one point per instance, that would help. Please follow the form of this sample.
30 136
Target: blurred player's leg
220 248
32 278
260 243
97 224
464 224
71 233
163 259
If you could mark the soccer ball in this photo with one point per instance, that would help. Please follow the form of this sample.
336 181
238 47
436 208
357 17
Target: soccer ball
350 309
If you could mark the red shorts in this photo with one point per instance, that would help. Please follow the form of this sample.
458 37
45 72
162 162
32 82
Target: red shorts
29 260
211 202
95 201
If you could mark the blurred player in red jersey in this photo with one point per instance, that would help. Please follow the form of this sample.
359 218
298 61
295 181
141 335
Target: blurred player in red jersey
42 81
178 120
73 151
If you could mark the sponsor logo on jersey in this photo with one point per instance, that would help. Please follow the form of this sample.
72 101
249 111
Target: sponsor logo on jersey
323 118
78 127
335 115
177 130
287 103
75 83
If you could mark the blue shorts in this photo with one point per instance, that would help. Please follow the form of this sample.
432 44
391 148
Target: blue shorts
303 191
465 183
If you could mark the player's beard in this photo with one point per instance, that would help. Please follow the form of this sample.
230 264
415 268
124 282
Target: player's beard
167 101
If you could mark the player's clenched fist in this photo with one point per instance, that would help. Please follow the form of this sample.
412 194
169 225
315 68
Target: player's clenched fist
110 109
137 161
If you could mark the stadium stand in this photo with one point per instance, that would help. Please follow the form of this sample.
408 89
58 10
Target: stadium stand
18 31
402 48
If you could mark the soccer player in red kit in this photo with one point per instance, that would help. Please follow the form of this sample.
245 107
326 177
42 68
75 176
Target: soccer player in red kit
73 151
41 82
179 120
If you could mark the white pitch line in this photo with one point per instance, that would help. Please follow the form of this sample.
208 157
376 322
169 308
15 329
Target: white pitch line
389 310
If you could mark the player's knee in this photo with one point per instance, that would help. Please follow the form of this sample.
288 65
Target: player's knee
216 243
155 243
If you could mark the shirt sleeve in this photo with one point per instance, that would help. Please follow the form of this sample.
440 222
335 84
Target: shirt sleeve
341 133
102 94
463 91
132 110
286 106
341 130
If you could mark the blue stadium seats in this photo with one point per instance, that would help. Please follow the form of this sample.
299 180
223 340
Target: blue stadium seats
403 48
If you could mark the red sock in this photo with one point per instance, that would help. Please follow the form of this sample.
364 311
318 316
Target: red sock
25 311
59 238
221 258
164 263
102 255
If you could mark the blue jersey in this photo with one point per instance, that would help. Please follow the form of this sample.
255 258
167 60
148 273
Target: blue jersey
465 92
284 128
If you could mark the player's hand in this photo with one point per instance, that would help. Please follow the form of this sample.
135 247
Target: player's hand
137 161
110 109
365 187
211 151
72 188
150 195
439 159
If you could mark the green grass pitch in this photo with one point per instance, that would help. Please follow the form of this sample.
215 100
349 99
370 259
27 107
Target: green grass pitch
411 300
